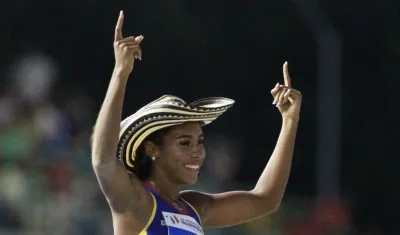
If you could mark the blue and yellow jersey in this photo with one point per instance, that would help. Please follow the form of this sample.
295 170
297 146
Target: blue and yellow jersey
167 220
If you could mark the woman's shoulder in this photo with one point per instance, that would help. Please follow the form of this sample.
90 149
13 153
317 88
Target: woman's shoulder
199 200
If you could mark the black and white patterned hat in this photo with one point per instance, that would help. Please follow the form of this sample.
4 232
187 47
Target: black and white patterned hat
164 112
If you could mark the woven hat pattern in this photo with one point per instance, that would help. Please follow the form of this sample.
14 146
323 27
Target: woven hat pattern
164 112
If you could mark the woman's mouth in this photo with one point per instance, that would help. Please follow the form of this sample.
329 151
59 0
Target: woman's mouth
192 167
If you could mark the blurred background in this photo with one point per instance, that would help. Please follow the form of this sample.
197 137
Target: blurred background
56 58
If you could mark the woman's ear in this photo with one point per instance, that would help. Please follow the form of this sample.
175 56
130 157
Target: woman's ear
151 149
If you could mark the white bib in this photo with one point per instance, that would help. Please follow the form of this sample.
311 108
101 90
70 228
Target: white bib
182 224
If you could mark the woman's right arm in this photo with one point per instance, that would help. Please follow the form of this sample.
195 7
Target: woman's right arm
123 192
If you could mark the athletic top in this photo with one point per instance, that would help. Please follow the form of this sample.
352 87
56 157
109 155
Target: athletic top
165 219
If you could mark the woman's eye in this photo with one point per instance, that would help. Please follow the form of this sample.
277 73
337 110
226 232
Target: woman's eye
189 143
186 143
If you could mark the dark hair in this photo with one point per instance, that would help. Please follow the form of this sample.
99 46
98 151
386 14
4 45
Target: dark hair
144 163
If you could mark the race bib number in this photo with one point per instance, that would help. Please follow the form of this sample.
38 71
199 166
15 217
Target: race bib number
181 224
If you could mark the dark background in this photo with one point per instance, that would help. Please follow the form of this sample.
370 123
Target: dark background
236 49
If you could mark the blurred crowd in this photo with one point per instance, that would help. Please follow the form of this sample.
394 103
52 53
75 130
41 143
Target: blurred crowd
47 185
46 182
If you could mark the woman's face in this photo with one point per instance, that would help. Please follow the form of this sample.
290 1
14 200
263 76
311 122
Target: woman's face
182 153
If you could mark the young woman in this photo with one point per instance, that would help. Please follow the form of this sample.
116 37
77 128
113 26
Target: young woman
160 147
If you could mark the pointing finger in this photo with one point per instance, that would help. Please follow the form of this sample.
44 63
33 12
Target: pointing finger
286 76
118 27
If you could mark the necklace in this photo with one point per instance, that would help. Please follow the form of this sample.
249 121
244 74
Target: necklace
176 203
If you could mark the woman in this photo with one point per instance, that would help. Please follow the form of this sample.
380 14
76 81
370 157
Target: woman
160 148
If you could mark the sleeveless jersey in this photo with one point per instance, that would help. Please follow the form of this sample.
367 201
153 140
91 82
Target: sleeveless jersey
167 220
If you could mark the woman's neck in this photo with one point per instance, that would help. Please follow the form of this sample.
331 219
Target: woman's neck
165 187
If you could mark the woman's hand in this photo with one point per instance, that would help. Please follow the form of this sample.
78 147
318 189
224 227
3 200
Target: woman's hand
125 49
287 99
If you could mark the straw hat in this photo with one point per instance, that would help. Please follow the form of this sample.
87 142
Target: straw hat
164 112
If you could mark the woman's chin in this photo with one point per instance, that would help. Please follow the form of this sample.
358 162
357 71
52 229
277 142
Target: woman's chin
190 180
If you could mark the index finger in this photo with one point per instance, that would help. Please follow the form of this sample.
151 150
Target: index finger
118 27
286 76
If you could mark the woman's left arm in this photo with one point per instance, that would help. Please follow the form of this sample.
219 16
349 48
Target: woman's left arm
236 207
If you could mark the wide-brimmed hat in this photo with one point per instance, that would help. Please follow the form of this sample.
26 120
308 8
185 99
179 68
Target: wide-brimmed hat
164 112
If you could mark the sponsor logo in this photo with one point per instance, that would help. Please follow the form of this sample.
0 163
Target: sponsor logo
182 222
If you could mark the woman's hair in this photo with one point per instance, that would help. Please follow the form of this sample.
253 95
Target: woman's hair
144 163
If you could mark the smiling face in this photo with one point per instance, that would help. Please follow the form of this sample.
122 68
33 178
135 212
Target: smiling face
181 153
